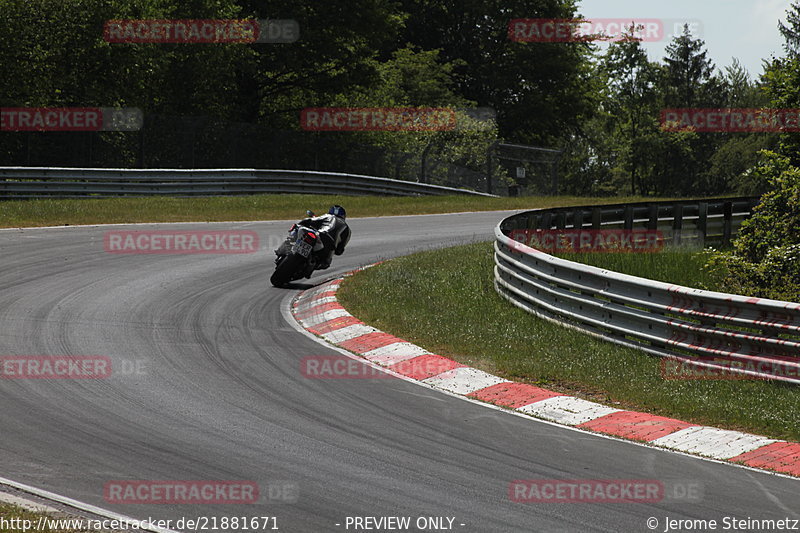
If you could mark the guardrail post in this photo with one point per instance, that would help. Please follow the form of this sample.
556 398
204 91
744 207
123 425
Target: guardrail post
677 224
489 155
577 218
727 211
652 221
628 223
597 217
561 220
702 221
528 223
423 170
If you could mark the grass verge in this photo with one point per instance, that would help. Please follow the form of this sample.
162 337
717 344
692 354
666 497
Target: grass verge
445 301
13 515
56 212
681 266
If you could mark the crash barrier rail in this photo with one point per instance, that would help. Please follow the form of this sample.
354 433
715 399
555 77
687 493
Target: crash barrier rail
713 334
59 182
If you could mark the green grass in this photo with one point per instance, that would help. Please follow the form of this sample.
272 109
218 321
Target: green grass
680 266
56 212
445 301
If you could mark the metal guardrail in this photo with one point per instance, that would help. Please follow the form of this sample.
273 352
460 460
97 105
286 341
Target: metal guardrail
58 182
714 332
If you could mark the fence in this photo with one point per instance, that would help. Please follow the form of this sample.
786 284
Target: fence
717 332
203 142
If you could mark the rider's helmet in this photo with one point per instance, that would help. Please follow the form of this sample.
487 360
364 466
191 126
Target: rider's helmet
338 211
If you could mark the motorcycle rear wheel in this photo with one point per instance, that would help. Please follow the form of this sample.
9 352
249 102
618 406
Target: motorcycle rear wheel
285 269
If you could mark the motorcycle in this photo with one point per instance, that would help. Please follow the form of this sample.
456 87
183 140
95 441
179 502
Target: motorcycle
297 256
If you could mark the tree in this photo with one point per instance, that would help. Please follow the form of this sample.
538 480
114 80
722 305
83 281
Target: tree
791 32
689 75
339 42
418 78
690 81
742 90
631 81
541 91
737 153
411 77
782 83
765 261
54 54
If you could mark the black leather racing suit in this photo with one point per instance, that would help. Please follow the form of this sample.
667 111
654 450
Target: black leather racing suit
334 234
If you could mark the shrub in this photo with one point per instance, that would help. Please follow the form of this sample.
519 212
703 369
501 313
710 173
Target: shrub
764 260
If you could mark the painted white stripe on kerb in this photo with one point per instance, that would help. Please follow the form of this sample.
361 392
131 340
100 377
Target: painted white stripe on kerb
346 333
313 293
712 442
303 298
394 353
317 301
330 286
324 317
567 410
464 380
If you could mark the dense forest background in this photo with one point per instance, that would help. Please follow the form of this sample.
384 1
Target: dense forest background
238 105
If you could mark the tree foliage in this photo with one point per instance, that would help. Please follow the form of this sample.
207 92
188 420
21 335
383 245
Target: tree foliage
220 104
765 260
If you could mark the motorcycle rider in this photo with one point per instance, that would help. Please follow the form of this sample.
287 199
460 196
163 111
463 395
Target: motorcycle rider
334 233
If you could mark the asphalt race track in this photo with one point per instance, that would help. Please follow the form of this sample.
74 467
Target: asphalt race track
210 388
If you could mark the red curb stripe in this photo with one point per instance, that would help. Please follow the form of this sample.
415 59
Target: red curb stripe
512 395
779 456
635 426
318 309
369 341
334 324
425 366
